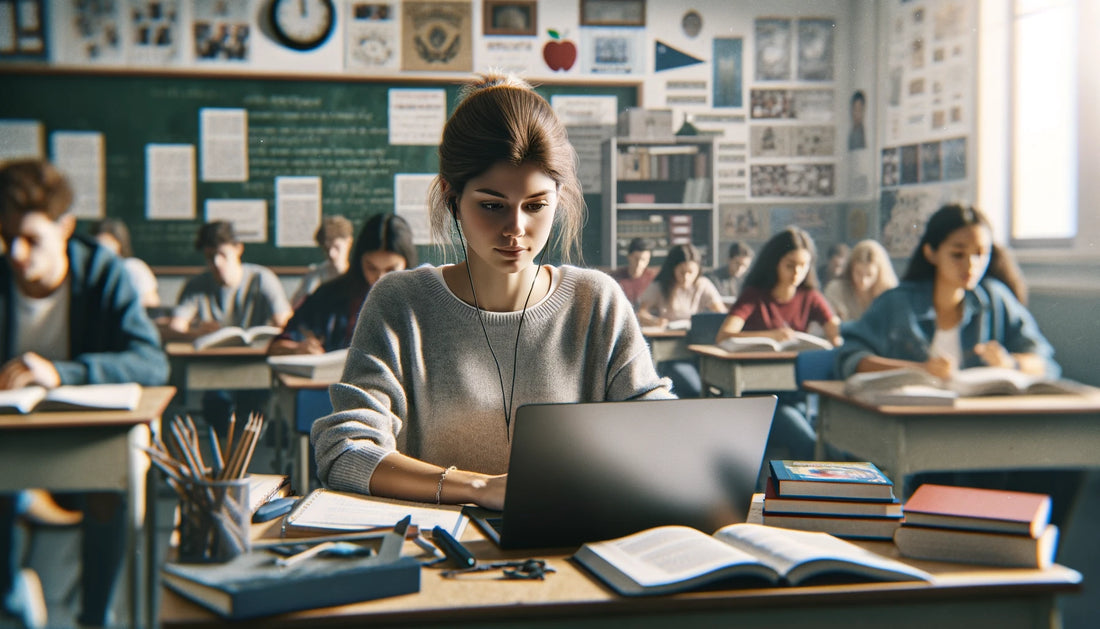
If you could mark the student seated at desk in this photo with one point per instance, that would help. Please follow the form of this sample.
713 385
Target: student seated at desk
729 278
334 238
68 315
414 417
867 274
960 304
637 275
326 319
780 296
679 291
229 293
113 234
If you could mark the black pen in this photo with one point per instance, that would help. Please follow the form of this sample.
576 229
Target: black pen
453 548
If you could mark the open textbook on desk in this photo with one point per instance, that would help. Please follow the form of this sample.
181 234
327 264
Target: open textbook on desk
801 341
327 366
104 397
670 559
917 386
257 336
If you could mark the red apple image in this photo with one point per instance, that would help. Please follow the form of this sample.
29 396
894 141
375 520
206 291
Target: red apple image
560 54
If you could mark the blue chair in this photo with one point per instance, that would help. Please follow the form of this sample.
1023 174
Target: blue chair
817 364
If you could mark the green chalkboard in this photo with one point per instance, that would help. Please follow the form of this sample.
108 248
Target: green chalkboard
337 130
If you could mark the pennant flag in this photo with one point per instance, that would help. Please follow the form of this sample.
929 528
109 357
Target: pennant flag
668 58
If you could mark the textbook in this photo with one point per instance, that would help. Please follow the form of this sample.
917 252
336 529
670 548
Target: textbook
252 585
995 549
670 559
860 480
776 504
991 510
263 488
106 397
840 526
916 386
232 336
324 510
327 366
801 341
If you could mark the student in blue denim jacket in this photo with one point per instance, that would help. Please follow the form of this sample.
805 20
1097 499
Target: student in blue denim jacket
960 304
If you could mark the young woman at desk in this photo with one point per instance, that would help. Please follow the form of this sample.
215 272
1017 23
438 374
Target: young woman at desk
416 416
326 319
679 290
867 274
960 305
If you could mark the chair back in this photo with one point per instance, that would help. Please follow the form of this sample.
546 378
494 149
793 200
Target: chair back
815 364
704 327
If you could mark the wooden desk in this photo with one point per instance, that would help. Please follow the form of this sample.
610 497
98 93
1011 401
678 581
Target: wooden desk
966 597
1043 431
293 396
735 374
93 451
218 368
667 344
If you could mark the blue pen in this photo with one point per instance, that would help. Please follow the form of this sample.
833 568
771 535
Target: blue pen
453 548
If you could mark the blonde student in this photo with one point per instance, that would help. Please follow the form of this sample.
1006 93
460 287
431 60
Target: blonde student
866 275
442 356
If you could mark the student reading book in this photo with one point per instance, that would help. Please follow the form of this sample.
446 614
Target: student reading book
235 336
670 559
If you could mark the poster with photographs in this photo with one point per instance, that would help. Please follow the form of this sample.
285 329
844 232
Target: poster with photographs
788 141
222 31
792 180
815 49
773 49
612 50
903 214
91 32
808 105
371 38
436 36
743 222
156 32
931 166
910 165
769 141
891 167
954 159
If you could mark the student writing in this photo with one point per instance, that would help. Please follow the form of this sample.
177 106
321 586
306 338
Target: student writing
326 319
69 314
679 290
418 415
334 237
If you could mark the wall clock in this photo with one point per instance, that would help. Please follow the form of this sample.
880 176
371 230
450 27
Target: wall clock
302 24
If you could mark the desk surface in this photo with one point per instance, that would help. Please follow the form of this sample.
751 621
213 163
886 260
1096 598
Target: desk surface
187 350
152 403
713 351
655 332
301 382
1087 402
572 594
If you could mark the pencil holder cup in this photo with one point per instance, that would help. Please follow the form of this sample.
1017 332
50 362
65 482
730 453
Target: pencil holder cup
214 521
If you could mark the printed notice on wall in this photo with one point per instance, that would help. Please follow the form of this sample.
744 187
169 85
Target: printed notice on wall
248 216
297 210
21 139
417 116
170 181
81 156
223 137
410 202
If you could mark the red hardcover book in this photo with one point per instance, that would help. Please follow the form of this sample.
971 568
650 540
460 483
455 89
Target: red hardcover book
970 508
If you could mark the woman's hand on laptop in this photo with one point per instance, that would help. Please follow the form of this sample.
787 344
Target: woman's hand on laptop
484 490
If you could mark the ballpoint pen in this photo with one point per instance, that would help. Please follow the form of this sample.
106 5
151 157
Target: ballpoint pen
453 548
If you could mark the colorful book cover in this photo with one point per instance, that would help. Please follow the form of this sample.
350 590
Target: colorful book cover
835 479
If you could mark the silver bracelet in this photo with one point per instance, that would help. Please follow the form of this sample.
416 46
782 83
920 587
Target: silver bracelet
442 477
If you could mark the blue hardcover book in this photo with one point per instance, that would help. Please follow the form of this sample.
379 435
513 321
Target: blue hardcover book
859 480
252 585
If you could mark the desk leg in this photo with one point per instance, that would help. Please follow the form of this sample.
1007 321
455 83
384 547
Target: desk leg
302 470
141 500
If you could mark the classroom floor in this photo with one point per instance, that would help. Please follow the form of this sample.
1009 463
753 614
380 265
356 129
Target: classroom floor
54 553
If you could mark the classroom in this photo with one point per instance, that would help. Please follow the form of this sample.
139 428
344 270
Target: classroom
281 140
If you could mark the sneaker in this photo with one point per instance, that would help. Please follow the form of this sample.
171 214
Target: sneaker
38 507
26 600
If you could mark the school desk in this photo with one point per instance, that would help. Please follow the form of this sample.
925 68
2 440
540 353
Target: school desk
218 368
737 373
299 401
965 597
999 432
667 344
93 451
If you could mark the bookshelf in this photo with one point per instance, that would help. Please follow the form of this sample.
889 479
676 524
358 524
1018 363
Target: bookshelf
660 190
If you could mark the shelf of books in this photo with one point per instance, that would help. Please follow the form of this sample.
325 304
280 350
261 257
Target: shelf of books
662 191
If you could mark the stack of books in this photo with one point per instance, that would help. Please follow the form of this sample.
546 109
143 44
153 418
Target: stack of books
985 526
846 499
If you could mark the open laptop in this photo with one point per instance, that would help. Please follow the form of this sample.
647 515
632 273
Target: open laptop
593 471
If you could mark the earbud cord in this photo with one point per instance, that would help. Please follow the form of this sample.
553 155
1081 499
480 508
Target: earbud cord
506 403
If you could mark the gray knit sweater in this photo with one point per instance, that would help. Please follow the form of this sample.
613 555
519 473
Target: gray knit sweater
419 377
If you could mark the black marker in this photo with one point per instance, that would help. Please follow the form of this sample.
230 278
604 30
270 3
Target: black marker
454 549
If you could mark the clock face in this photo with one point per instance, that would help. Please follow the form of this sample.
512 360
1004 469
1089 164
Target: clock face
302 24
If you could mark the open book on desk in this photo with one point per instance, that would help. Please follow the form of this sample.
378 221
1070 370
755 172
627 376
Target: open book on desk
104 397
327 366
801 341
233 336
327 511
916 386
669 559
